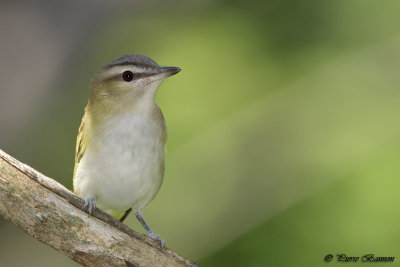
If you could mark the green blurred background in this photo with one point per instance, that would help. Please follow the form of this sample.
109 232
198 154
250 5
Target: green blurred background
283 125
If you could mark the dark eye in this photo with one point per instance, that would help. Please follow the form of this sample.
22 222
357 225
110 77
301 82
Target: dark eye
127 76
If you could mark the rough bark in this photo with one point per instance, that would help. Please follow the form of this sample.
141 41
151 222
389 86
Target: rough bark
51 213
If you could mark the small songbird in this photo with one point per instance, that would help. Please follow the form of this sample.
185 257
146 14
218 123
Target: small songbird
119 160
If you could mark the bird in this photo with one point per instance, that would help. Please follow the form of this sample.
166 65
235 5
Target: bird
120 148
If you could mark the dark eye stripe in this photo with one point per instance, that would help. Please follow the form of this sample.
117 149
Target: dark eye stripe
135 76
140 75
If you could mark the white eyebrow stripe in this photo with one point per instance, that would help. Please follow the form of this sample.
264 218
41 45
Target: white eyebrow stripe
120 69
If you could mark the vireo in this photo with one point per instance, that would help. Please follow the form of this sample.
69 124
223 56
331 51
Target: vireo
119 160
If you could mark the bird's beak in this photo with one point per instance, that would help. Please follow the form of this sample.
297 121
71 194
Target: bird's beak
161 73
168 71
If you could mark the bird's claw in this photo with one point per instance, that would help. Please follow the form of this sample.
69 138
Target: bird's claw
154 236
162 242
90 202
157 239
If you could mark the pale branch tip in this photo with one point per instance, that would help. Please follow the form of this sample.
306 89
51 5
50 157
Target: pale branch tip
49 212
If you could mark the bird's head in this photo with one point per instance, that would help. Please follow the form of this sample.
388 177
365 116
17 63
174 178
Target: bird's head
128 81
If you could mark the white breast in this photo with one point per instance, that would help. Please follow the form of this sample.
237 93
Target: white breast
123 167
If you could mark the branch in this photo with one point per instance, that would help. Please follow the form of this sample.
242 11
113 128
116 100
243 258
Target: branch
51 213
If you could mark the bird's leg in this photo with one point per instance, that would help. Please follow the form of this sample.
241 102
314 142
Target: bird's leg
127 212
90 202
149 232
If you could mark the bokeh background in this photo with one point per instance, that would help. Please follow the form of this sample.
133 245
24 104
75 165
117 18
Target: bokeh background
283 125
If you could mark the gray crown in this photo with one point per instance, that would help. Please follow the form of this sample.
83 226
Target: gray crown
136 60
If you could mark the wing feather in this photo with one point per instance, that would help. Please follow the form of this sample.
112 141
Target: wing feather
81 142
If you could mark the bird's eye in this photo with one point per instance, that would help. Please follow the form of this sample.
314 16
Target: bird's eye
127 76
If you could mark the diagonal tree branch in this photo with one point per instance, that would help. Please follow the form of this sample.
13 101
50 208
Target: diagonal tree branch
51 213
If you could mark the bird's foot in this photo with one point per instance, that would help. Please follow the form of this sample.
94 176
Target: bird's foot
90 202
149 232
157 239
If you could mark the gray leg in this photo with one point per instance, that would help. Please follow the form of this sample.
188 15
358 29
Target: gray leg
125 215
149 232
90 203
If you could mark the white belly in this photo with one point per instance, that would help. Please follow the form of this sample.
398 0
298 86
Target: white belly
123 167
